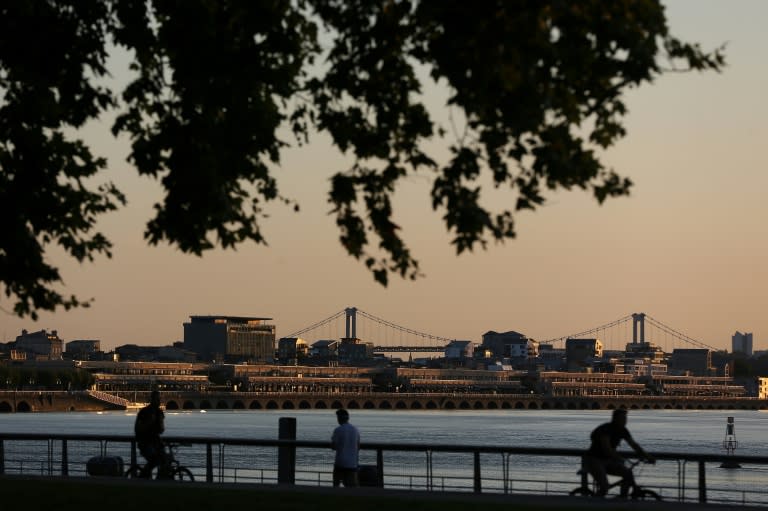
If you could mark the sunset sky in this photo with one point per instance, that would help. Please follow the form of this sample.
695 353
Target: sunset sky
688 247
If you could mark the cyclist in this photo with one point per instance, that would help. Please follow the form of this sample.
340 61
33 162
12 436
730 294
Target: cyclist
150 424
603 459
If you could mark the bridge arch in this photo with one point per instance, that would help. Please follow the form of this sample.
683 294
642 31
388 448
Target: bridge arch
205 405
188 405
23 406
5 407
171 405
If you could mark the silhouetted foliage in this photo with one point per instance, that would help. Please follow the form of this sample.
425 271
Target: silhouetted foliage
539 83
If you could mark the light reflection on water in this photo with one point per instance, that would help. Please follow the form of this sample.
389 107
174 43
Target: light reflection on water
696 431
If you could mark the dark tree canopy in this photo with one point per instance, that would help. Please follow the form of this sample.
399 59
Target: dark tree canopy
539 82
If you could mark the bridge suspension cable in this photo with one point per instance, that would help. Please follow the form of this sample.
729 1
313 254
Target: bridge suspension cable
317 325
402 328
679 335
590 331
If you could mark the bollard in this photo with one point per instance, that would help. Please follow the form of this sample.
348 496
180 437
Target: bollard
286 454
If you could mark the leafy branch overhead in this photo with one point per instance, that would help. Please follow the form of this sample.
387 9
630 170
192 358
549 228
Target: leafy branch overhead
540 84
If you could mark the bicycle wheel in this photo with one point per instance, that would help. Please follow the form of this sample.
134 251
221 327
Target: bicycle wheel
644 494
183 474
133 472
581 491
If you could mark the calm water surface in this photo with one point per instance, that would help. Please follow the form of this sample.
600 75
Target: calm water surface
694 431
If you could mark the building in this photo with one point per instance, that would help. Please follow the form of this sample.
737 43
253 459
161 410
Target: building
648 350
641 367
501 381
691 361
762 387
504 344
569 384
459 350
353 351
550 358
83 349
325 350
741 343
581 353
230 338
291 350
146 376
40 345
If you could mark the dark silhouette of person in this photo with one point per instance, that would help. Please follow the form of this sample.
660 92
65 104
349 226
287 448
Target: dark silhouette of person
346 442
150 424
603 459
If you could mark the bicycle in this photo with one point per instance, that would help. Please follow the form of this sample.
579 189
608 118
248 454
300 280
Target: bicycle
637 492
171 469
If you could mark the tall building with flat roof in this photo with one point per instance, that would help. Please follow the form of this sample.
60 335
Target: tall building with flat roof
230 338
742 343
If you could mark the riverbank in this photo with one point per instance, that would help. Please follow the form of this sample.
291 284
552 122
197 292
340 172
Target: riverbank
82 401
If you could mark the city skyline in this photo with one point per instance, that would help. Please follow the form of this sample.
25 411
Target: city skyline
686 247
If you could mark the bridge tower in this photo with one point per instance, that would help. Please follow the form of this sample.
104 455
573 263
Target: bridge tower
638 318
351 322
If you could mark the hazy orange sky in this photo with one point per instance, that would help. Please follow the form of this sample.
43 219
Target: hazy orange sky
687 247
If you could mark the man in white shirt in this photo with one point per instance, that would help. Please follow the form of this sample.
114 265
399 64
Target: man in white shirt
346 442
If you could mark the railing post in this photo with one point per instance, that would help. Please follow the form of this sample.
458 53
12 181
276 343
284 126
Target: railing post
380 468
208 463
64 459
286 454
478 480
702 484
133 453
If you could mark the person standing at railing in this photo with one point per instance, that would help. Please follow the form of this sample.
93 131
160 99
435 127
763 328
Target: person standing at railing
346 442
150 424
603 459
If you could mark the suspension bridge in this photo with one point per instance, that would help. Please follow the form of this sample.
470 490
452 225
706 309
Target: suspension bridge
389 337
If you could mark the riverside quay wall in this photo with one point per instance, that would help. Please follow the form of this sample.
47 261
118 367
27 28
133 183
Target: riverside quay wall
53 401
441 401
57 401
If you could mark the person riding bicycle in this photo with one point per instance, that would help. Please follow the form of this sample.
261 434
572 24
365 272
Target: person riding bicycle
150 424
603 459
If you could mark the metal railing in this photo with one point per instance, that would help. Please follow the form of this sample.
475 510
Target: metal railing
679 477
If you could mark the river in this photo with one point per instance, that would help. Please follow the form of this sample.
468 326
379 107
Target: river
679 431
